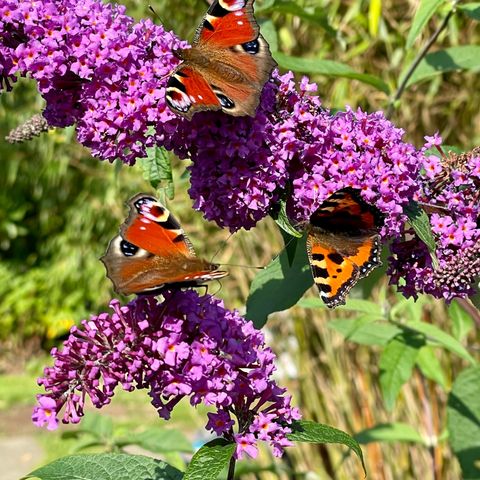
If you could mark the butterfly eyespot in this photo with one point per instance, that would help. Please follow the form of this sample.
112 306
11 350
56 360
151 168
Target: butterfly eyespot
143 201
230 5
252 47
128 249
225 102
157 211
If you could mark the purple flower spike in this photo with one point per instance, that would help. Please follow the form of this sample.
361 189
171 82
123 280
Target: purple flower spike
450 188
94 67
185 346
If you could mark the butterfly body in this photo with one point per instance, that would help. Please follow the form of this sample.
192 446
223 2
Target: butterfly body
152 252
343 244
227 65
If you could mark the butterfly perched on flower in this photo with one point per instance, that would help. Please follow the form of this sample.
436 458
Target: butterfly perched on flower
227 65
343 244
152 252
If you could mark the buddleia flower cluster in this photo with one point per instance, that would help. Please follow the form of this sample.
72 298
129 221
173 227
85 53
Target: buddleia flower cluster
327 152
450 186
95 67
186 346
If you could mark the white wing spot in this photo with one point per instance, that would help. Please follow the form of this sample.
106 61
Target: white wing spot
200 97
239 23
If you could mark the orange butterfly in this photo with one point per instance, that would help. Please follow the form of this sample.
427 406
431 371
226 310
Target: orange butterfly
343 244
227 66
152 252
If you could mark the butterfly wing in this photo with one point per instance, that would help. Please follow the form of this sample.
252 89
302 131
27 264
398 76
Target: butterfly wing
227 66
227 23
343 244
152 251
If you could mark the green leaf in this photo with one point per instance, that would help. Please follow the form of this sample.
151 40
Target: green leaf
364 332
316 16
425 11
430 366
374 15
396 364
462 322
439 336
407 308
471 9
106 466
328 68
290 246
210 460
157 170
283 221
465 57
159 441
463 421
421 224
280 285
389 432
313 432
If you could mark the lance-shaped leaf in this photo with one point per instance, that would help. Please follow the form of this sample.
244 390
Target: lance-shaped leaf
281 284
210 460
313 432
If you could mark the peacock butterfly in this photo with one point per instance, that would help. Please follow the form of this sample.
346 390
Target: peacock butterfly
343 244
152 252
227 65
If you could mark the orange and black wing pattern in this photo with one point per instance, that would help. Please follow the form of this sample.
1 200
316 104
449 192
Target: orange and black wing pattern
152 227
343 244
152 252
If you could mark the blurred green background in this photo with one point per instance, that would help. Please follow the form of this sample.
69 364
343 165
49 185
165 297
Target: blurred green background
59 208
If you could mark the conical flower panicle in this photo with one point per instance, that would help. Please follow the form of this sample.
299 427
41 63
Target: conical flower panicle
185 346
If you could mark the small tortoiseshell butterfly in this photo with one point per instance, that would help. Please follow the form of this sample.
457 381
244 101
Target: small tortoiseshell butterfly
152 252
343 244
227 66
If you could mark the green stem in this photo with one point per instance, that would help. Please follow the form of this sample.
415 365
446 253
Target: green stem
418 59
231 469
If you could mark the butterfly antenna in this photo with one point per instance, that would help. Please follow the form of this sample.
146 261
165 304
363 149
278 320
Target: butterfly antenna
222 246
219 288
238 265
283 249
158 16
